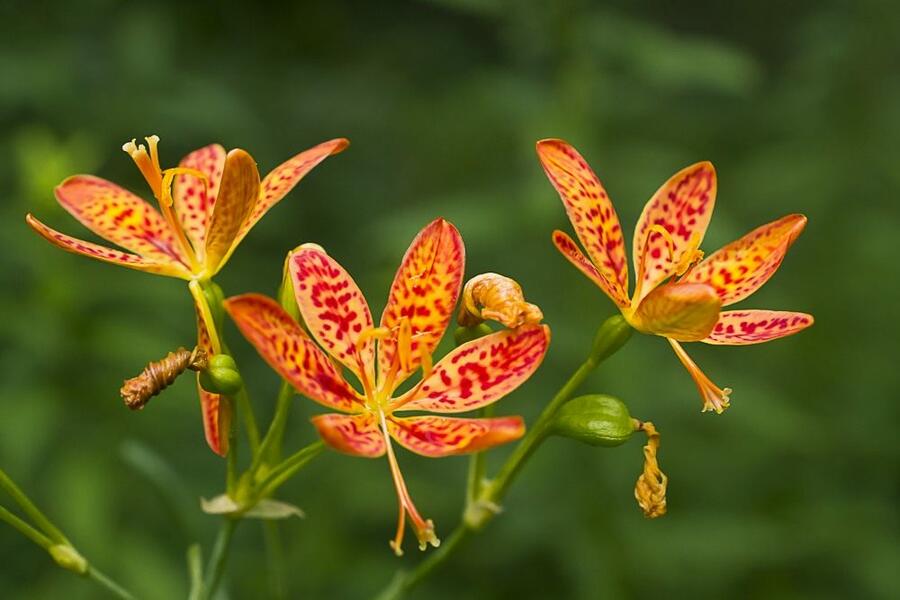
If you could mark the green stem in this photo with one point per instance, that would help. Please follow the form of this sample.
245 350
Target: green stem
270 448
195 571
43 523
218 558
477 465
286 469
275 556
111 586
25 529
243 401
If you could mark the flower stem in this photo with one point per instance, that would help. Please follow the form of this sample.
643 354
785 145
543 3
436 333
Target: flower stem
275 556
42 522
111 586
270 447
25 529
286 468
218 558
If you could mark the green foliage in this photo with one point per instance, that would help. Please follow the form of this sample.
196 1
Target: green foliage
788 494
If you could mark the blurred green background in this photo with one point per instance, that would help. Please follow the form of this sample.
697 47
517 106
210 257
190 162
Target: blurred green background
792 493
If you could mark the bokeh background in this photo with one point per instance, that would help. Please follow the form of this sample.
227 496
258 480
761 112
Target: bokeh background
792 493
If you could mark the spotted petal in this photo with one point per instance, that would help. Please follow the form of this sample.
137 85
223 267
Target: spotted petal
193 200
480 372
285 176
435 436
109 255
743 266
570 250
358 435
686 312
743 327
215 409
591 212
425 290
288 350
333 307
238 193
682 207
119 216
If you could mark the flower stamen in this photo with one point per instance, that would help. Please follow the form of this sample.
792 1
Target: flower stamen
424 529
714 397
148 164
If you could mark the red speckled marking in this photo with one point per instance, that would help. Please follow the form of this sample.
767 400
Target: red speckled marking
570 250
591 212
742 267
333 308
683 206
121 217
194 201
214 409
743 327
425 289
445 436
287 349
357 435
109 255
482 371
237 196
284 177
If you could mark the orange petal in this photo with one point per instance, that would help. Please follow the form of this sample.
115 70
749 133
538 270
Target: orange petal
425 291
591 212
109 255
480 372
288 350
742 267
215 409
683 207
119 216
686 312
435 436
570 250
333 308
285 176
357 435
743 327
237 195
194 200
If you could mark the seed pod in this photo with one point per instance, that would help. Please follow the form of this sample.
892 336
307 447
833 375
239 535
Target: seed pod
221 376
597 419
160 374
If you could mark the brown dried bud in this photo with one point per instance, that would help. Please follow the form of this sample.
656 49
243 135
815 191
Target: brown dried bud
160 374
490 296
650 489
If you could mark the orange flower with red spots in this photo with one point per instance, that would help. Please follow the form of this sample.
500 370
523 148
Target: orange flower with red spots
420 305
207 205
678 295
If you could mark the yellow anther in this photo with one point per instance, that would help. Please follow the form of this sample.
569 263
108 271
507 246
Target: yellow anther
404 344
372 333
169 176
670 243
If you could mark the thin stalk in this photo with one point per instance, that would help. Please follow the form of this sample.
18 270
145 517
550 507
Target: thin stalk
42 522
270 447
477 465
25 529
243 401
406 581
286 469
195 571
218 558
275 556
111 586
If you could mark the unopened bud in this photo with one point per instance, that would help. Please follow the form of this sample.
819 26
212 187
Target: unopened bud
493 297
221 376
68 558
598 420
611 336
650 489
160 374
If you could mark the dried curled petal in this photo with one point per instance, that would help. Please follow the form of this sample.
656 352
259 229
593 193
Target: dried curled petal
160 374
650 489
494 297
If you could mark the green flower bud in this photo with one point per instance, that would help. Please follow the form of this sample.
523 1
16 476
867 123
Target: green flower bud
611 336
68 558
467 334
598 420
222 376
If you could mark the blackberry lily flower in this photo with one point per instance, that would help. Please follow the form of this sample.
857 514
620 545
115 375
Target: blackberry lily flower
420 304
674 297
207 205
